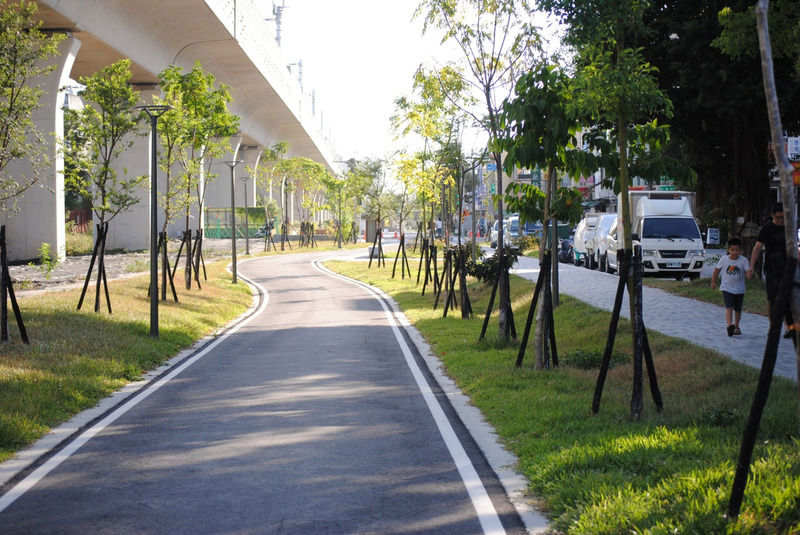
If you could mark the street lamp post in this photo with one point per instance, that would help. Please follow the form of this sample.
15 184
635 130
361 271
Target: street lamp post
154 112
246 220
232 164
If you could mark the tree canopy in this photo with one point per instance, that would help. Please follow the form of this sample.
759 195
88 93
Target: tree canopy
706 53
197 129
25 52
498 40
96 135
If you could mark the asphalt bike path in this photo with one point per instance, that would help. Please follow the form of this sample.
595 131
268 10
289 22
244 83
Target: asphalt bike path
696 321
315 414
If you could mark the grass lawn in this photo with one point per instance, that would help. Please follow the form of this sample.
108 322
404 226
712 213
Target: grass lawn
605 473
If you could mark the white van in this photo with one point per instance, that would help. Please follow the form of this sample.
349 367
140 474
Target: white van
663 223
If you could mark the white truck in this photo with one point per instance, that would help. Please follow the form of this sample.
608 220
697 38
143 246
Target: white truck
584 233
663 223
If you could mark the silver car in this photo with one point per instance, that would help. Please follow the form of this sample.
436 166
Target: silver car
597 246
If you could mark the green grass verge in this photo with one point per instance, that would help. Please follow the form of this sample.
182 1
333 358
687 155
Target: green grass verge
75 358
605 473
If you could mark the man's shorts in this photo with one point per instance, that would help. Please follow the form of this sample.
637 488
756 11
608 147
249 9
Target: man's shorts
733 301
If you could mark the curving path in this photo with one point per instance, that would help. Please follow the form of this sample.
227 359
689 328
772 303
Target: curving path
316 414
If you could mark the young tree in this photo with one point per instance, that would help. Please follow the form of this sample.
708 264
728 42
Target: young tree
95 137
431 116
308 177
498 40
402 202
420 181
617 90
541 131
202 126
24 55
372 174
269 173
357 183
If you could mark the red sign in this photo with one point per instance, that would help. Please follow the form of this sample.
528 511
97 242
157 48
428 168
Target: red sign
796 174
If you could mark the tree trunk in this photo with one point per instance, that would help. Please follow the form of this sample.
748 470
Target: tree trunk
539 337
785 167
503 289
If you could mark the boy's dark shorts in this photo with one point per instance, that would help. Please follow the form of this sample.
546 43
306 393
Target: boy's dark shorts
733 301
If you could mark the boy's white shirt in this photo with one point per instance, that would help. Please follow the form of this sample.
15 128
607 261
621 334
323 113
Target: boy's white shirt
732 274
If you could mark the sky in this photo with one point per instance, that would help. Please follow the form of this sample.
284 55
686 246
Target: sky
358 57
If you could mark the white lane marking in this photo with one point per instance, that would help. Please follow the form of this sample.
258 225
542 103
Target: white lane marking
487 514
37 475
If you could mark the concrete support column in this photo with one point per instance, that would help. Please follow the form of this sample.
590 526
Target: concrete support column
218 193
41 214
131 230
250 157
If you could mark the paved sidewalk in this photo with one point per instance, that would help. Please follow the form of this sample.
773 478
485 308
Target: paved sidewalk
700 323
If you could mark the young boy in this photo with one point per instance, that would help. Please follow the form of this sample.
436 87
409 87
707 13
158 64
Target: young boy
733 267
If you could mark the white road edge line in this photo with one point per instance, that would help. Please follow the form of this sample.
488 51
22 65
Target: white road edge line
487 515
37 475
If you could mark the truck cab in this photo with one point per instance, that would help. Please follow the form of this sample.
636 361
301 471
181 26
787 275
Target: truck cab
663 223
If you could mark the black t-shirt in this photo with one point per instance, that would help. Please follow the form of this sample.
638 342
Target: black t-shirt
774 239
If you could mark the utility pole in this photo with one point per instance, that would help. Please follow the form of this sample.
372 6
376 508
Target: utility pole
277 11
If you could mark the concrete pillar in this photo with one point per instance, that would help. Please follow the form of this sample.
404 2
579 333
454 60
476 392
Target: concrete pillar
218 192
41 214
250 157
131 230
178 225
246 190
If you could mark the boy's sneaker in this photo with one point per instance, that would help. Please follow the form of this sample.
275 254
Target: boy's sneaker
731 329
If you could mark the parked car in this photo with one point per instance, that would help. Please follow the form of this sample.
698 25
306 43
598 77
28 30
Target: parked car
532 228
613 242
512 227
495 232
595 248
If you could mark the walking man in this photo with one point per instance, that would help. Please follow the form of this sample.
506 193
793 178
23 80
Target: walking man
772 239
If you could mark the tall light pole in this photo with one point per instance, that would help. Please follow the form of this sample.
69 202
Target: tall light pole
154 112
232 164
246 220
